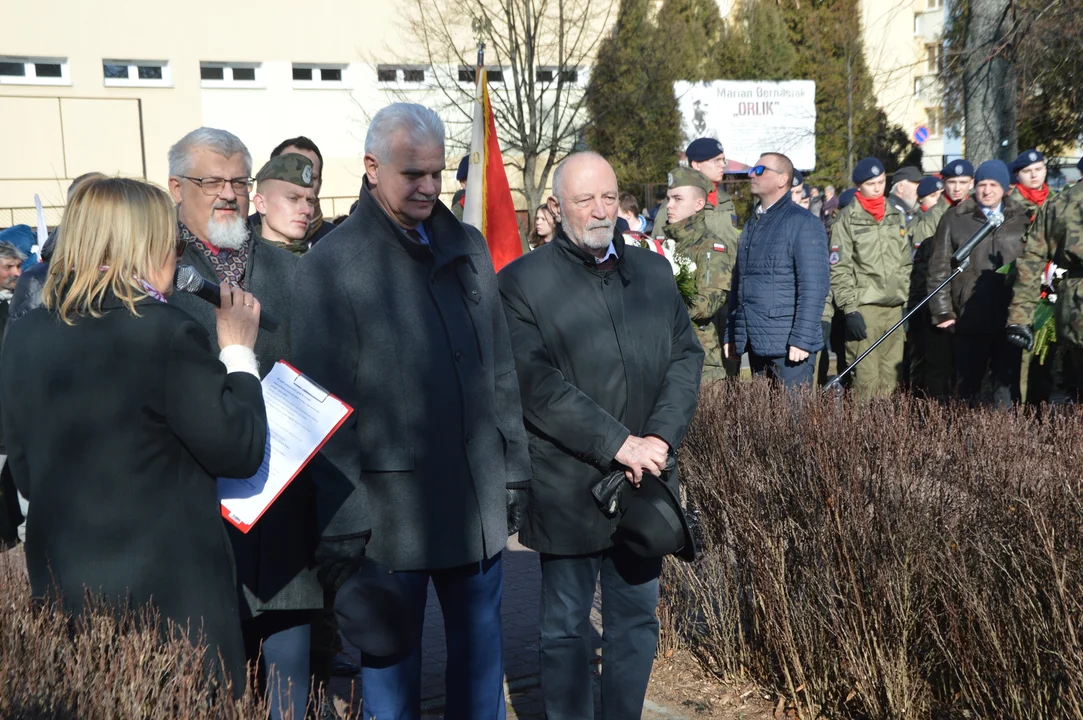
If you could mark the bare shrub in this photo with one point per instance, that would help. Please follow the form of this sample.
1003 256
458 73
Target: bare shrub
885 559
104 665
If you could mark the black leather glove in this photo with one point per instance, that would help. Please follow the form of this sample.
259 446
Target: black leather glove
855 326
518 499
825 325
1021 336
338 558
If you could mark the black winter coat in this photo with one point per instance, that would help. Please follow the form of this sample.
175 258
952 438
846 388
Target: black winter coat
416 342
275 559
600 355
978 299
117 428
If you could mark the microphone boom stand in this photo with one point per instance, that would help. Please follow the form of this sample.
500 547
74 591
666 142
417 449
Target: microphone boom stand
836 381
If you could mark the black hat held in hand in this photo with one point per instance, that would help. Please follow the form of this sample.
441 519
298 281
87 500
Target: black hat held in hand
652 523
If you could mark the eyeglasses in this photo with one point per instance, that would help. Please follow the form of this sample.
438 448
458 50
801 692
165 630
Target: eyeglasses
758 170
215 185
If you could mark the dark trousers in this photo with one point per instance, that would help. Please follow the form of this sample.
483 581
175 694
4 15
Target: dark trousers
987 353
470 600
281 639
629 633
791 375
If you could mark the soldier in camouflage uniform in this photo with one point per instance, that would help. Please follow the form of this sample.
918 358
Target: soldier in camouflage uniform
926 376
870 258
687 210
1032 192
286 201
1055 235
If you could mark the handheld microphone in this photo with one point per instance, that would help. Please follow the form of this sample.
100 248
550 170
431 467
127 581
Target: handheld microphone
187 279
994 221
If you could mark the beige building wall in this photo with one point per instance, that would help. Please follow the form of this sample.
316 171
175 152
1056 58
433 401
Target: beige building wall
903 50
54 129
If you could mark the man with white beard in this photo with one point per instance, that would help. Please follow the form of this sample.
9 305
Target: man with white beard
609 371
210 179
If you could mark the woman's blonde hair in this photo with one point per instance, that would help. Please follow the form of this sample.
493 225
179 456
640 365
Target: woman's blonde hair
115 234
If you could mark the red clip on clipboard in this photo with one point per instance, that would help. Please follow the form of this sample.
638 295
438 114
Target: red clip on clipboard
301 417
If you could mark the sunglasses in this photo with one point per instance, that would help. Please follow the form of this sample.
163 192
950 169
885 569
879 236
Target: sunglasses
759 170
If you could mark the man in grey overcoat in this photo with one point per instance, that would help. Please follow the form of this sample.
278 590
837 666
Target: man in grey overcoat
397 313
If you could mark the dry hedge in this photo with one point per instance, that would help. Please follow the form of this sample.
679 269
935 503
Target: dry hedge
104 666
887 559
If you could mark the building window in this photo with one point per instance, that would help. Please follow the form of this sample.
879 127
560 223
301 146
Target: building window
568 76
231 75
318 76
934 4
34 71
933 58
403 76
468 74
138 73
917 24
933 121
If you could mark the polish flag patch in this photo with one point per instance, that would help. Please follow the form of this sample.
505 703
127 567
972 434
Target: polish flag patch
719 247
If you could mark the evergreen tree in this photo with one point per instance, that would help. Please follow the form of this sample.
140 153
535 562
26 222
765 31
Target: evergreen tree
755 44
634 120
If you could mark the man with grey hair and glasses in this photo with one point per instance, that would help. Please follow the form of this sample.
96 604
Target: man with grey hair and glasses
210 176
401 318
609 367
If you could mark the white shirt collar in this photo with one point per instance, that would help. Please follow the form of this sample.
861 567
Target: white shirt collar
760 209
610 253
990 211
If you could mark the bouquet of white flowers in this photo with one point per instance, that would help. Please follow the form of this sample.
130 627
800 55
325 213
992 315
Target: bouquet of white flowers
684 269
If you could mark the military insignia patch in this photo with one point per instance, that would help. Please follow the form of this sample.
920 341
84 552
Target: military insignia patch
1033 157
902 232
670 180
876 171
719 247
834 258
958 169
733 219
306 174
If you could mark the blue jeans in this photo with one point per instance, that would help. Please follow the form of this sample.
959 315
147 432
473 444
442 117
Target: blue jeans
470 600
629 633
282 639
791 375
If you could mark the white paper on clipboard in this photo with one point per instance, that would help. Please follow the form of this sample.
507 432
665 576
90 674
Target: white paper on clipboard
301 416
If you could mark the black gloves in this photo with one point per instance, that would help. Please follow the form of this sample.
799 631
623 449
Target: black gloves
825 325
518 497
338 558
1021 336
855 326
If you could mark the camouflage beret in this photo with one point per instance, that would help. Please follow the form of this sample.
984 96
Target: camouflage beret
290 167
687 177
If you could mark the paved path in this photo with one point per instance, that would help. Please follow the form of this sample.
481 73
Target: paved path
522 579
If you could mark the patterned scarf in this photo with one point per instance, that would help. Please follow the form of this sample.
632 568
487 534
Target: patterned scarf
231 265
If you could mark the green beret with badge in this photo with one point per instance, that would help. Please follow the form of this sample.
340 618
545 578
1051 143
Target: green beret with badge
687 177
288 167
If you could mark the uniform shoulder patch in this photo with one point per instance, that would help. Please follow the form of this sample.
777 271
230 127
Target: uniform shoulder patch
719 247
733 219
834 257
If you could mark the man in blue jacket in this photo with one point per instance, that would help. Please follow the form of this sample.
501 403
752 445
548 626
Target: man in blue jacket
780 280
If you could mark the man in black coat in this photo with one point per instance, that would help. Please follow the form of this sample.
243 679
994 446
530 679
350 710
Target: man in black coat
401 318
210 178
609 369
